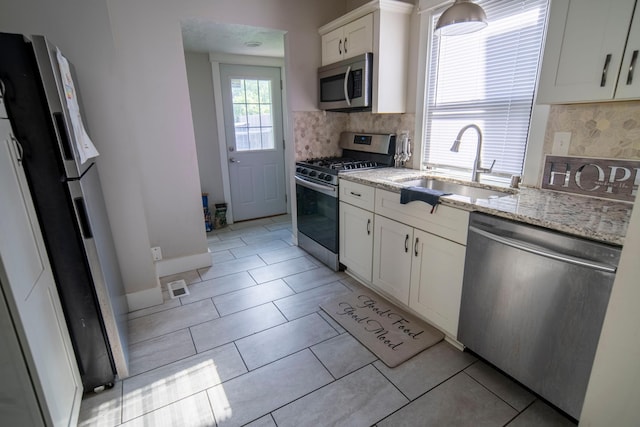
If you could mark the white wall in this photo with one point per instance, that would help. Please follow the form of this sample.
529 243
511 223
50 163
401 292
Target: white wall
82 30
204 124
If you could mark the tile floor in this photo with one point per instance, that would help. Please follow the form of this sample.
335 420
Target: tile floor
249 346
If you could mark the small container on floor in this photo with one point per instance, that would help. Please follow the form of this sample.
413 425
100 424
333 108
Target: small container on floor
220 216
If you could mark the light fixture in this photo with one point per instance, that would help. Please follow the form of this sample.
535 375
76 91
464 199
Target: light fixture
253 44
462 17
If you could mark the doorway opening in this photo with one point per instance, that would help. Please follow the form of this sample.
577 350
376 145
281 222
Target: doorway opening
239 116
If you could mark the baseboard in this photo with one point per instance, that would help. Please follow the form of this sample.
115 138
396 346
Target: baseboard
143 299
167 267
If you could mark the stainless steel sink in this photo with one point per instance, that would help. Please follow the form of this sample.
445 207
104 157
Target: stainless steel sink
455 188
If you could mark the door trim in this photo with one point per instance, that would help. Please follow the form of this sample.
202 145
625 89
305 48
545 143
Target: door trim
260 61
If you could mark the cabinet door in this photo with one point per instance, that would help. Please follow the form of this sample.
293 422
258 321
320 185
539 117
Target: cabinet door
18 399
358 37
583 50
392 253
356 240
32 295
629 80
436 280
332 48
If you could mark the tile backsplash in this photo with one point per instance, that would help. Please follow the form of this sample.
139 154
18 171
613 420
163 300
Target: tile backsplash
317 133
602 130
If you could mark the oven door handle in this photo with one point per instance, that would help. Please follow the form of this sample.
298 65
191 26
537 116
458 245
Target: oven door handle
324 189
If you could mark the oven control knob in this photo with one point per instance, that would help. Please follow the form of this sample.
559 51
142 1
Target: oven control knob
313 173
304 171
321 175
327 177
298 169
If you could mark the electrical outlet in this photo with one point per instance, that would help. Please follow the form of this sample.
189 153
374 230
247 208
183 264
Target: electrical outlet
156 253
561 141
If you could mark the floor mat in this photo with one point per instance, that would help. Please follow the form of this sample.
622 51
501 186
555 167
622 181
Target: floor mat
387 331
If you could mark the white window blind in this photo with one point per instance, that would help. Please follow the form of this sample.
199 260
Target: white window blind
487 78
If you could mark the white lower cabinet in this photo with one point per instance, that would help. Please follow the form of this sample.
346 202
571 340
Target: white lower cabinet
421 270
392 252
356 240
436 280
417 257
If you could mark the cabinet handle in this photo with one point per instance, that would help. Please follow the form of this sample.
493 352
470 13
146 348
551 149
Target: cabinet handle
345 45
340 47
632 65
406 243
603 80
415 247
368 227
355 194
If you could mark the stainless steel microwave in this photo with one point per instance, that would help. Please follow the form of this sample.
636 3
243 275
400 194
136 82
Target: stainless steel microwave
346 85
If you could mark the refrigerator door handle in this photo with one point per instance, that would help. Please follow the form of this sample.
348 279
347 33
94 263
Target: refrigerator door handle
80 209
83 218
63 137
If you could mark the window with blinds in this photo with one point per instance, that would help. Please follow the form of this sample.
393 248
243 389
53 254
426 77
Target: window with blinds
486 78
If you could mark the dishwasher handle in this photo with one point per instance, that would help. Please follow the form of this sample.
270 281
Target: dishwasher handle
537 250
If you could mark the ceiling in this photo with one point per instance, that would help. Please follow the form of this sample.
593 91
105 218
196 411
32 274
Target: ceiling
206 36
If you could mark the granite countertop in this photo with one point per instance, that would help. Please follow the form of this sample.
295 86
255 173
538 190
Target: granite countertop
598 219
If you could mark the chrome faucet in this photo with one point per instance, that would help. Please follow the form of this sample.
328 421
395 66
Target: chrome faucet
477 168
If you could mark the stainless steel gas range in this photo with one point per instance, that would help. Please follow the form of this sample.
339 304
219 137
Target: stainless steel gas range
317 190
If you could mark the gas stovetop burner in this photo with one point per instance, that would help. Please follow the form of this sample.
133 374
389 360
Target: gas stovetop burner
356 164
359 151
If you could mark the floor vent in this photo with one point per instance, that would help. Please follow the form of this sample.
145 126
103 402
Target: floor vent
177 289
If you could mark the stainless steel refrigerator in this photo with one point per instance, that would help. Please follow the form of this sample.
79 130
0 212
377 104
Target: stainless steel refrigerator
70 207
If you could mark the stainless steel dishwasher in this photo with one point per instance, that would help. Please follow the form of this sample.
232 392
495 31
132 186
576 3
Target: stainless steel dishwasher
533 304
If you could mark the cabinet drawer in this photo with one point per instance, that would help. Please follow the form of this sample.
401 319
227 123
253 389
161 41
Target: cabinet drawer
449 223
356 194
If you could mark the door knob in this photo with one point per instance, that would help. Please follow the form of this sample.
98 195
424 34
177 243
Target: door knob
232 160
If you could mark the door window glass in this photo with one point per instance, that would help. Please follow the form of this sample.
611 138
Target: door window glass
252 114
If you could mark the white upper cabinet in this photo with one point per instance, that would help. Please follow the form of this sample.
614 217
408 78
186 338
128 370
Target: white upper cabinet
629 80
381 27
350 40
591 52
332 50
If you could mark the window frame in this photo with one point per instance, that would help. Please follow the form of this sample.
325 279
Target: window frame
534 151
